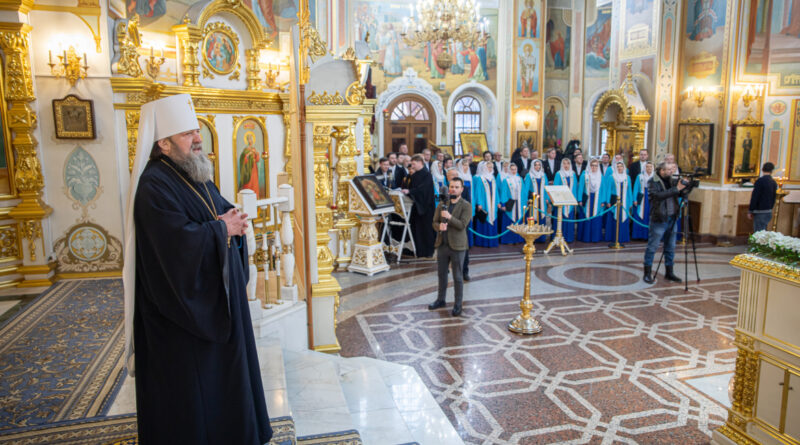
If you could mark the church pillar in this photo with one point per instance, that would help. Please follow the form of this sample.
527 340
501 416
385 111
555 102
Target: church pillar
575 107
666 91
346 152
28 178
325 291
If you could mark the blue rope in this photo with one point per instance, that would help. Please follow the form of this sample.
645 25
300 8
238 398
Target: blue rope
497 236
578 220
646 226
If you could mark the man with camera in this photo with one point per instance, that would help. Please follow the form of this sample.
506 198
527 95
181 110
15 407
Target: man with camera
663 191
450 223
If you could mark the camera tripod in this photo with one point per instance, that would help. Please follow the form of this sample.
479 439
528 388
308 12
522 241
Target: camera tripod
686 219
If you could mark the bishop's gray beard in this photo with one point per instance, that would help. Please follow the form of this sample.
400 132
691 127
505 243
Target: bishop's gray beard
197 166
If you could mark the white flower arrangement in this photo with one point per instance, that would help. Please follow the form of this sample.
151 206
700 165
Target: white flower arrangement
778 246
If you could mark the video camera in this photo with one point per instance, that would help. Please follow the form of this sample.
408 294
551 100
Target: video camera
691 180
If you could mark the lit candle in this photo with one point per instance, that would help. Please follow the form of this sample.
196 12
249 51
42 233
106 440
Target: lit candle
85 62
50 56
162 53
151 52
65 57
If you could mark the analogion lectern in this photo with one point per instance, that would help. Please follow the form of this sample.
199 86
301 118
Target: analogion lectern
368 200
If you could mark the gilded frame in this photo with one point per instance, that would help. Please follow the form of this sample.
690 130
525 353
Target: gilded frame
212 29
740 132
6 135
480 138
683 154
532 135
208 121
70 125
238 121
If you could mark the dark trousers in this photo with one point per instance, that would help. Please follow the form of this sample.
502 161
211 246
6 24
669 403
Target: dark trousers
465 269
453 258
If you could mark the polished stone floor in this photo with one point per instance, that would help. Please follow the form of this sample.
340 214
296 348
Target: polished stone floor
618 361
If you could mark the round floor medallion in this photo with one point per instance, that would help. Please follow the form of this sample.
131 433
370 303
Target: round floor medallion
87 243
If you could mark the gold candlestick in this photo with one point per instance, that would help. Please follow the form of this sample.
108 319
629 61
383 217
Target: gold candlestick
779 194
524 323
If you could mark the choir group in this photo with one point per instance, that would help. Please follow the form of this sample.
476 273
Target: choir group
501 192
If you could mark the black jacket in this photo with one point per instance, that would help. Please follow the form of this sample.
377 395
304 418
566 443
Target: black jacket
663 199
551 174
763 197
634 169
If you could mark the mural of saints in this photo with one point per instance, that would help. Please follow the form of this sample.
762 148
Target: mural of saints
147 8
248 165
551 136
527 66
704 19
528 20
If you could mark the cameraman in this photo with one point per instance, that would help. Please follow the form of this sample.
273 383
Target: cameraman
663 192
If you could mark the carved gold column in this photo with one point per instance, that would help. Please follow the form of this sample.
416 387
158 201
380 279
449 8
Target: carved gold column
346 169
326 287
366 118
253 70
132 125
744 384
189 36
28 179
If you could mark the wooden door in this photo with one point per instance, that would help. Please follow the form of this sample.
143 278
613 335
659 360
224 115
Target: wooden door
409 120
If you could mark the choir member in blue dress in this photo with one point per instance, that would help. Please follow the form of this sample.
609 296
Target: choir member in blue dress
617 159
511 189
617 188
534 183
579 167
591 231
487 199
566 176
641 209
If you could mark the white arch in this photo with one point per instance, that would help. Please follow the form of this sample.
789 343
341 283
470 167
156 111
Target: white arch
409 84
589 124
488 110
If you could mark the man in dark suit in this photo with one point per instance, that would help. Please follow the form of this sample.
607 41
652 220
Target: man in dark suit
584 163
498 162
524 161
637 167
450 223
397 170
384 175
426 157
551 165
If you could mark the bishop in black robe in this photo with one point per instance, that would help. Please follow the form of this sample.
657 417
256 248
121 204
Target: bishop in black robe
198 379
420 189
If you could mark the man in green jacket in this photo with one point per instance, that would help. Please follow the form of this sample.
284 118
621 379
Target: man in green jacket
450 222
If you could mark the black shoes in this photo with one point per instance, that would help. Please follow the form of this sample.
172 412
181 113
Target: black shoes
648 275
467 278
436 305
670 275
456 311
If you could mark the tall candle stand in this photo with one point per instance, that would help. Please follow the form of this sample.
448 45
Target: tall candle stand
524 323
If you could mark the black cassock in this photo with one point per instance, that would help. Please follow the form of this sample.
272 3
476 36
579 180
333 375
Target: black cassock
421 191
198 379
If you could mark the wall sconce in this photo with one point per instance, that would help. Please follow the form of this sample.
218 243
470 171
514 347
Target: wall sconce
68 65
154 63
526 116
271 76
751 93
699 94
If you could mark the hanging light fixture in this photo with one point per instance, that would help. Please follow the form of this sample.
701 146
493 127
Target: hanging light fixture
440 22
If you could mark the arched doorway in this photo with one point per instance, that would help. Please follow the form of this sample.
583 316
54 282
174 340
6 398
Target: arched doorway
410 120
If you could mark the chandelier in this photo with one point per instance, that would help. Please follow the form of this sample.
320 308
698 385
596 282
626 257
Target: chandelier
440 22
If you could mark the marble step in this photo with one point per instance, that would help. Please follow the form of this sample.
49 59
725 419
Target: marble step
273 378
318 404
390 404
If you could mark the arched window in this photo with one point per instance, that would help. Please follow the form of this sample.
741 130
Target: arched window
410 110
466 119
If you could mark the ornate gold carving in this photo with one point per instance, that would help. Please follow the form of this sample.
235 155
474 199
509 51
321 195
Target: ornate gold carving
325 98
23 6
255 106
87 248
189 36
747 121
9 243
322 175
31 230
14 40
744 383
695 120
310 43
356 93
241 11
287 145
767 267
132 125
736 436
253 70
129 39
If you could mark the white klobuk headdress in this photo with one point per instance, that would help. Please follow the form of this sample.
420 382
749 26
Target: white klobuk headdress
158 119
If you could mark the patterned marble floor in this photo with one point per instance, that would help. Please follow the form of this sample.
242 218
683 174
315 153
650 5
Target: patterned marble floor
618 361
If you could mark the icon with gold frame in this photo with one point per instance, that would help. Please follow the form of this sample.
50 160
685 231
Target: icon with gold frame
531 137
250 157
474 143
221 48
695 146
74 118
745 151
